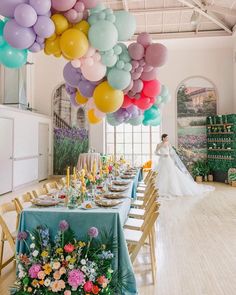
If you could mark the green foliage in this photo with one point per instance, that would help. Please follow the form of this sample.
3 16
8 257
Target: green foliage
198 123
200 168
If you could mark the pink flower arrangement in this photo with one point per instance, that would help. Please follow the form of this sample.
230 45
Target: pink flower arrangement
88 286
75 278
34 270
69 248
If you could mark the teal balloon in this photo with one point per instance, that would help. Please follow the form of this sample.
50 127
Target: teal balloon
158 101
11 57
126 25
109 61
136 121
2 24
156 122
93 19
118 79
151 113
103 35
164 91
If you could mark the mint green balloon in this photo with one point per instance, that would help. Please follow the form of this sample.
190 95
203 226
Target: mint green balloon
126 24
151 113
11 57
136 121
156 122
118 79
103 35
109 61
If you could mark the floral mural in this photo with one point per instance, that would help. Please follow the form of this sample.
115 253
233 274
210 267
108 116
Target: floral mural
196 99
70 131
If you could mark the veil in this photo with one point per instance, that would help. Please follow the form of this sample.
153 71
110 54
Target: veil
179 163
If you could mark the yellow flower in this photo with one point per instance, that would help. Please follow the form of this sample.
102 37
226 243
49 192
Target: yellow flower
34 283
82 244
83 189
59 250
47 269
44 254
41 282
72 260
103 247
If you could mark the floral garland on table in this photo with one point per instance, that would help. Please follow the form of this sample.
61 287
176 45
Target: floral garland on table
66 266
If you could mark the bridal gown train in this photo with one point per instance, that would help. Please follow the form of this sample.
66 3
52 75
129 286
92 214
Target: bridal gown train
171 181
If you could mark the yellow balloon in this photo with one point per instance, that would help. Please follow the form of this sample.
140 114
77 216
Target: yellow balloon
92 118
83 26
53 37
74 44
53 46
60 22
107 99
80 99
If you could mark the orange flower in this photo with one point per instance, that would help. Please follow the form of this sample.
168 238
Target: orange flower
41 282
95 289
41 275
62 271
47 269
35 283
57 275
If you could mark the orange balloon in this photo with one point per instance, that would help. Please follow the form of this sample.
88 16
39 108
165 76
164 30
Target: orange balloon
74 44
80 99
92 118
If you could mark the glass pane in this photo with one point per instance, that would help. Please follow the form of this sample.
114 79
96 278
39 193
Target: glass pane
137 160
137 137
145 158
128 149
146 148
146 137
137 148
110 149
128 128
110 128
155 138
145 128
11 85
119 148
120 128
128 158
153 148
110 138
119 138
128 137
156 129
137 128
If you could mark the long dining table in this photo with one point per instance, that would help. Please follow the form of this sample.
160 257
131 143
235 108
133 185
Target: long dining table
110 220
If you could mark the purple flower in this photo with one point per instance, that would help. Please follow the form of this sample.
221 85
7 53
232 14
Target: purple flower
22 235
34 270
63 225
93 232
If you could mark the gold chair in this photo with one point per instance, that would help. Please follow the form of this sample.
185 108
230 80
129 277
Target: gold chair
39 192
6 234
136 240
52 186
22 200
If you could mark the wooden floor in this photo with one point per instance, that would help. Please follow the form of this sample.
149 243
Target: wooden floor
196 247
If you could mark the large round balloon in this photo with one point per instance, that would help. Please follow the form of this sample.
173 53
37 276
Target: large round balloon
152 88
125 23
63 5
60 22
53 47
145 39
92 117
42 7
151 75
11 57
94 72
103 35
18 36
156 55
107 99
83 26
74 44
44 27
71 75
7 7
118 79
25 15
136 51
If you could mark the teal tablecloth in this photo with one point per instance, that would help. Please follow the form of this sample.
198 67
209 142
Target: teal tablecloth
137 179
81 220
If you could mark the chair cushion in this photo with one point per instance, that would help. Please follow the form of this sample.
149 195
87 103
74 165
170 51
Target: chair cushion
136 212
137 203
132 236
134 223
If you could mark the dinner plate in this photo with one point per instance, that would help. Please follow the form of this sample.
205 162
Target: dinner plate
118 189
108 203
114 196
121 183
45 202
127 176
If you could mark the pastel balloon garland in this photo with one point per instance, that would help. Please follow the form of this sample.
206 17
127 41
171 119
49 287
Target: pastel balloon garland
108 77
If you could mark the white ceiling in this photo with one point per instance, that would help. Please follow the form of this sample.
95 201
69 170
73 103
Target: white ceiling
172 18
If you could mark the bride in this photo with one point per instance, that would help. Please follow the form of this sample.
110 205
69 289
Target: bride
173 178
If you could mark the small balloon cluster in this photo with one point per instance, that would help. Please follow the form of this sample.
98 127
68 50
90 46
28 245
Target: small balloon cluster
102 73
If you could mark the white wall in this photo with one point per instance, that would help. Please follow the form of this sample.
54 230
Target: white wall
208 57
25 140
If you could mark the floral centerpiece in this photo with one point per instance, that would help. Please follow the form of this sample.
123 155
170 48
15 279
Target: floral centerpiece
66 266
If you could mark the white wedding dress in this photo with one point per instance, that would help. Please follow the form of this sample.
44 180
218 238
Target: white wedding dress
173 179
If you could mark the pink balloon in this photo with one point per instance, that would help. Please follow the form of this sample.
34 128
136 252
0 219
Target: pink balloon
136 51
151 75
151 88
145 39
127 102
63 5
71 15
88 61
156 55
135 75
90 104
143 103
76 63
138 86
147 68
91 51
90 3
99 114
79 6
95 72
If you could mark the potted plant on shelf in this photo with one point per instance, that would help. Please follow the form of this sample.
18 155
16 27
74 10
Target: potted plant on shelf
200 170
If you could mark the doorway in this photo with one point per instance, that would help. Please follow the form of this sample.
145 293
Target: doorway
43 144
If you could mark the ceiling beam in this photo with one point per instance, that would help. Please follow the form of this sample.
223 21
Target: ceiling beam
179 35
208 15
164 9
221 10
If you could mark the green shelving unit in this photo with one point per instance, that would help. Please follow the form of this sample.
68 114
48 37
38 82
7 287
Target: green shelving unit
221 144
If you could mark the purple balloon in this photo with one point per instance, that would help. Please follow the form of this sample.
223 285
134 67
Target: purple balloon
17 36
148 76
7 7
25 15
35 47
44 27
156 55
133 111
42 7
70 90
86 88
40 40
72 75
136 51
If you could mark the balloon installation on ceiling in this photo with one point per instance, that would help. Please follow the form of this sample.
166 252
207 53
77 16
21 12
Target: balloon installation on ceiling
112 79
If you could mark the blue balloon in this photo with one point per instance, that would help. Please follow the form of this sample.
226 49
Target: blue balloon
126 24
118 79
11 57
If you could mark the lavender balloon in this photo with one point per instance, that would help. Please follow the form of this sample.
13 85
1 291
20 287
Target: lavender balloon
17 36
25 15
70 90
44 27
86 88
35 47
72 75
7 7
42 7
